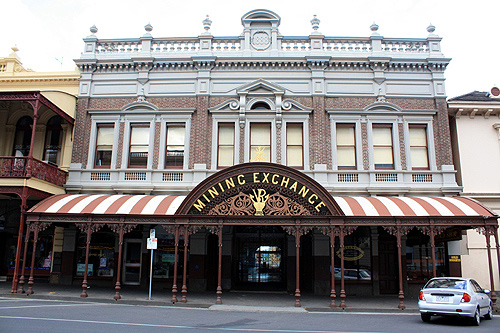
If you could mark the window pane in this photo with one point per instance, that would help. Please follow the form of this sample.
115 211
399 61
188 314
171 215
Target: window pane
175 135
294 135
419 157
294 156
418 136
139 136
382 136
260 135
346 157
105 135
383 156
345 135
226 135
261 154
226 156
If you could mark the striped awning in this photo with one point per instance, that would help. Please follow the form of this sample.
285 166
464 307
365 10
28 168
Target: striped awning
411 206
350 206
109 204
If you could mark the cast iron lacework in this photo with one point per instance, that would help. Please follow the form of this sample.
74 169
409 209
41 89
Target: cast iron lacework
244 204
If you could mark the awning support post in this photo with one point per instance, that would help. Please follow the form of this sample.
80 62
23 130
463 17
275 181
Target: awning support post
433 250
184 270
88 229
219 271
20 287
15 281
176 252
401 295
121 229
297 268
36 228
332 254
342 285
489 231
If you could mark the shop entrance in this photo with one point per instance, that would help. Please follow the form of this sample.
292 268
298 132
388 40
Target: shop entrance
260 259
132 262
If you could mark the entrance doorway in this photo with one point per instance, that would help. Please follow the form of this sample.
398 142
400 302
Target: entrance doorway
132 262
388 263
260 258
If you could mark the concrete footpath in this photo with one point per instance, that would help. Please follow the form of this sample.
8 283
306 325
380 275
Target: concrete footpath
232 300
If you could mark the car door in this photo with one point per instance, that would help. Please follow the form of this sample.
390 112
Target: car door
482 298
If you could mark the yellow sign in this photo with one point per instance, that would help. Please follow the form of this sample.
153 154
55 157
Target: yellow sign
454 259
351 253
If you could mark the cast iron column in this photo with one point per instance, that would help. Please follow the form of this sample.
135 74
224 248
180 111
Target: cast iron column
297 268
24 196
401 295
31 280
184 269
176 252
20 287
219 273
487 233
342 285
433 251
332 251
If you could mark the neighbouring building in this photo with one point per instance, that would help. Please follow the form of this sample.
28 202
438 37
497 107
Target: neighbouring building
37 111
475 128
262 162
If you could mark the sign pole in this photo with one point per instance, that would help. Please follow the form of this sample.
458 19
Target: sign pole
152 245
151 274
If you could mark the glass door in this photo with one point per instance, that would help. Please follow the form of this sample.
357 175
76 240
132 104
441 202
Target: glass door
260 260
132 262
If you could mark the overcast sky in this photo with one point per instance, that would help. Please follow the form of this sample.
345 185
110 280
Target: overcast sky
49 33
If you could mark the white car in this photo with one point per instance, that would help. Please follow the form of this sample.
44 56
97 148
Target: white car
454 296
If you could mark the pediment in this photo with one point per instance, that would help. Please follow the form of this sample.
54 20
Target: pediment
294 106
229 105
260 87
384 107
140 105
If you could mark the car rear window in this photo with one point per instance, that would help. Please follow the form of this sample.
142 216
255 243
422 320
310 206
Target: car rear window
447 284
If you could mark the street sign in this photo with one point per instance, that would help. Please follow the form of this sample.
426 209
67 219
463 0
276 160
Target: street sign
152 233
152 243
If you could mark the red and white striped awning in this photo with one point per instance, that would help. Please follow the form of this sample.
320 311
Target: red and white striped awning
350 206
109 204
411 206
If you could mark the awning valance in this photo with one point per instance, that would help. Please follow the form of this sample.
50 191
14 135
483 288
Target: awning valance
350 206
109 204
411 206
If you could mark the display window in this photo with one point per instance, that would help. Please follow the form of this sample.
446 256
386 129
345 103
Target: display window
43 254
419 257
101 254
357 256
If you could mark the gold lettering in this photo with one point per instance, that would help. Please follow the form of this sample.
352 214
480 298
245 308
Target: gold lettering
241 179
230 183
273 181
285 182
304 190
321 204
206 198
220 185
213 191
199 205
294 187
266 177
312 195
255 175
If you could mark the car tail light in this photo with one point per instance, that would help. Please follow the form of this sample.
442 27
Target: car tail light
465 298
421 296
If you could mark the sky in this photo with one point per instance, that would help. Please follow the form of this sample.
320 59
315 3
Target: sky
48 33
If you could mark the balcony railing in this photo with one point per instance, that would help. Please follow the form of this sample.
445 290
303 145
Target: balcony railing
25 167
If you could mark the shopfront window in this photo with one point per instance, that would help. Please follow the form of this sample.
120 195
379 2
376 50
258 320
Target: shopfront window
419 257
101 254
357 256
43 254
164 256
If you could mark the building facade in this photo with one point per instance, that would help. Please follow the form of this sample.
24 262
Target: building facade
262 162
475 123
37 113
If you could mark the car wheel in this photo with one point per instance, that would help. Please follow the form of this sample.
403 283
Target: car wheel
476 320
425 317
489 315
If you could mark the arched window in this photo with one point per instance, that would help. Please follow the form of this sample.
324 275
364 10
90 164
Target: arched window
22 139
53 139
260 106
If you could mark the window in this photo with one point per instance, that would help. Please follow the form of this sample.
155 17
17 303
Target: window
382 147
294 146
418 147
225 150
22 139
346 146
175 146
260 143
53 140
139 146
104 145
